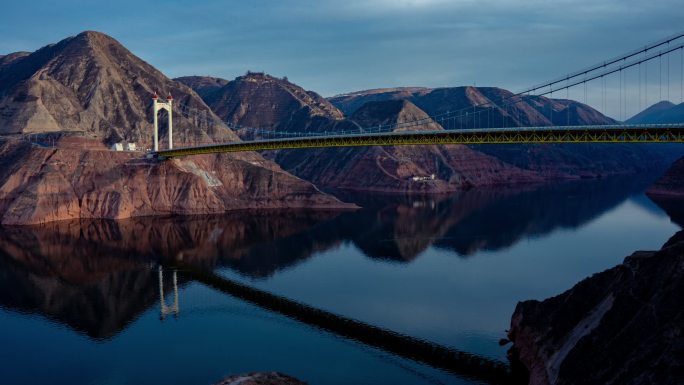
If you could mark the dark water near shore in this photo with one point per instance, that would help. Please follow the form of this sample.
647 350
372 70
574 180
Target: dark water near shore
79 301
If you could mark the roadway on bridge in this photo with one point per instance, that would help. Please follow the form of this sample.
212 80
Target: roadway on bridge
653 133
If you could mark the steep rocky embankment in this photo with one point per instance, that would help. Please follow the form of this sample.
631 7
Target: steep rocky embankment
88 90
39 184
622 326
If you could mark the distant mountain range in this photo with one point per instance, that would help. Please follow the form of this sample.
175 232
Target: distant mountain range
660 113
529 111
260 100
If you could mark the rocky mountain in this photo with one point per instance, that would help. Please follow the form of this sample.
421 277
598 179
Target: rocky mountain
487 106
91 84
41 184
203 85
91 87
659 113
261 101
631 314
422 169
9 58
557 161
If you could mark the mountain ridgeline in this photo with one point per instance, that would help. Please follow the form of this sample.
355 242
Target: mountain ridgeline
265 102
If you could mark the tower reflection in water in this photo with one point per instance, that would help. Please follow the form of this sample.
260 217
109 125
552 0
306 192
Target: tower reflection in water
164 308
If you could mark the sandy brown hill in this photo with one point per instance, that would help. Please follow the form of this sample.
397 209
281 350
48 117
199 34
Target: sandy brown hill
392 169
260 100
43 184
90 83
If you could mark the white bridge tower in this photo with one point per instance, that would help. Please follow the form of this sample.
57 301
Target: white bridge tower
160 105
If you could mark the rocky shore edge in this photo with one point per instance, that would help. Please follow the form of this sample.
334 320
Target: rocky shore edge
259 378
621 326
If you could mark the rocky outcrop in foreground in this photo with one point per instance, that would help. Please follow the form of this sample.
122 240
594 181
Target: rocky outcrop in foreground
272 378
622 326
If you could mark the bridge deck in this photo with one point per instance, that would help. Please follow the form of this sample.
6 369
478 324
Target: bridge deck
654 133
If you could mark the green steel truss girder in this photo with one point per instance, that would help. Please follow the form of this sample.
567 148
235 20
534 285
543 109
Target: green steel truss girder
595 134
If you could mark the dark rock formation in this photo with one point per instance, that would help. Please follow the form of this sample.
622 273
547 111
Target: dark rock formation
272 378
672 183
622 326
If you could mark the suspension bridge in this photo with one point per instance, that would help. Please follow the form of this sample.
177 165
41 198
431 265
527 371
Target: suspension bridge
495 120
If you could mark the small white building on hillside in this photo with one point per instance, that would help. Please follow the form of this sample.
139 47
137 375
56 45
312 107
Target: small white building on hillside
123 147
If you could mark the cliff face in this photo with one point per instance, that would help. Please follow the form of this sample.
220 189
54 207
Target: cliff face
42 184
622 326
671 184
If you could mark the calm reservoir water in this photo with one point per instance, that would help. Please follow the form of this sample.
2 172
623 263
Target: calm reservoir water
80 302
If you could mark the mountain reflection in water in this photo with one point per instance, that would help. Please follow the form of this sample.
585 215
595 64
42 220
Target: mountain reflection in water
97 276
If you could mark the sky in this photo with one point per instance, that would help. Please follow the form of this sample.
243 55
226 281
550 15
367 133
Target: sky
335 47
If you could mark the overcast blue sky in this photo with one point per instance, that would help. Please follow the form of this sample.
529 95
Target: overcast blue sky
339 46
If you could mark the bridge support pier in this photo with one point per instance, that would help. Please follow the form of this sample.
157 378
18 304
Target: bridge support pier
158 106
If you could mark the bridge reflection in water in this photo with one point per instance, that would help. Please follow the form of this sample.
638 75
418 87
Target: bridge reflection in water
68 271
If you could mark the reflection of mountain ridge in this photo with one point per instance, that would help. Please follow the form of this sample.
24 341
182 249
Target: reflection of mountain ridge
96 276
508 218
